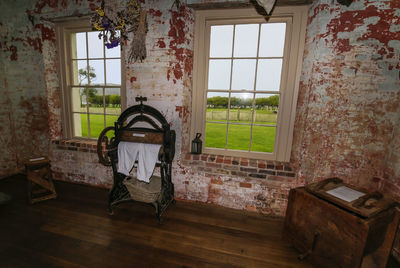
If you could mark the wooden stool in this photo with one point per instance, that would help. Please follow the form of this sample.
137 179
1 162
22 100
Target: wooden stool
40 181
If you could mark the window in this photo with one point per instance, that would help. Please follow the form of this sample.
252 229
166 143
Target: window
93 83
246 81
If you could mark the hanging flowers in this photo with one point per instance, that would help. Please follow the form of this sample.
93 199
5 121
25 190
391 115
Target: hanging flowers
113 25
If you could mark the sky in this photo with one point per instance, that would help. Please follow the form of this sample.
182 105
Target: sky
256 62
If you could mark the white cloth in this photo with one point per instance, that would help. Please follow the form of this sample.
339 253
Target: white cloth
267 5
145 154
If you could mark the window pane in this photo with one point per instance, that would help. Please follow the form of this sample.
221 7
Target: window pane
266 109
239 137
221 41
113 100
79 46
113 71
269 74
219 74
243 74
215 135
246 40
95 97
217 106
96 74
272 39
241 105
96 125
78 99
95 45
79 72
263 139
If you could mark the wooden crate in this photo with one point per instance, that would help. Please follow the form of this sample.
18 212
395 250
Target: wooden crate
331 235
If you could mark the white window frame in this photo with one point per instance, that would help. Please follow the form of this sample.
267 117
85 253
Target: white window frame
291 71
63 31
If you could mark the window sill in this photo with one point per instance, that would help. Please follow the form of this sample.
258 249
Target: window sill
238 166
80 145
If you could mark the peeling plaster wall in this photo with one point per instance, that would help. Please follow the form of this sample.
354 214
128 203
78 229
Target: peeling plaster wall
24 130
347 119
349 98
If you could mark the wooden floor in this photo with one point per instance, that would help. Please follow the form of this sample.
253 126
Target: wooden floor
75 231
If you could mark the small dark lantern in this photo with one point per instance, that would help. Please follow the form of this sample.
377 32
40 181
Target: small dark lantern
197 144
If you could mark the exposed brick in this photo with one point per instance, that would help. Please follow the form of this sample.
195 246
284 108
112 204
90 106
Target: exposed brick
219 159
206 169
245 185
287 168
269 166
72 148
230 167
196 163
253 163
261 165
211 158
269 172
228 160
257 175
213 165
222 171
188 156
244 163
204 157
196 157
238 173
252 170
235 162
279 167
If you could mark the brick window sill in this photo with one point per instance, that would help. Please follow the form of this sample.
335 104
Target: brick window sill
87 146
238 166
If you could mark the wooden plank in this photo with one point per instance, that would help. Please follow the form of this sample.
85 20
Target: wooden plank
75 230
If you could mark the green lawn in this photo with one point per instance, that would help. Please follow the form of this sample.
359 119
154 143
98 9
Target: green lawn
96 124
239 135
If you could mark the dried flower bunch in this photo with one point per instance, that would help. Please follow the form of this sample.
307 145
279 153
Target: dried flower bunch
115 25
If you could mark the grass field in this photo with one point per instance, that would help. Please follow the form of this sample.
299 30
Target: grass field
96 124
263 138
239 137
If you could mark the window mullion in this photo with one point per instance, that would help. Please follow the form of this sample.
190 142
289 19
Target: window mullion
255 87
230 89
87 89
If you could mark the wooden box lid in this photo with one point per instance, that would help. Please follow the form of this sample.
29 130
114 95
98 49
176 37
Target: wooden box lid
354 199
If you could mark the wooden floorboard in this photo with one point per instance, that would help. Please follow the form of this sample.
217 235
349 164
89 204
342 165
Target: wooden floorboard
75 230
